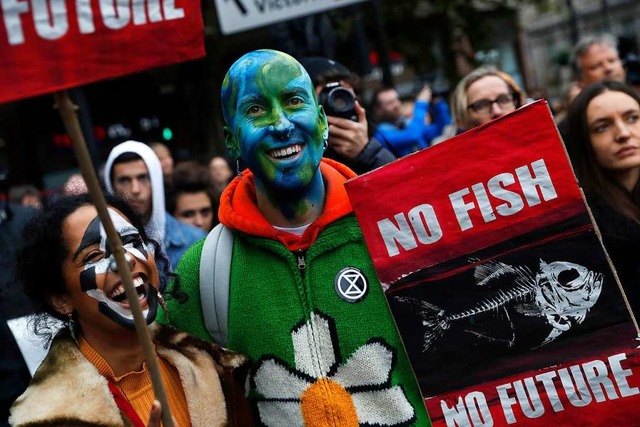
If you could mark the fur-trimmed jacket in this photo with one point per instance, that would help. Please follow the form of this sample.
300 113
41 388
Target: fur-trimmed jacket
68 390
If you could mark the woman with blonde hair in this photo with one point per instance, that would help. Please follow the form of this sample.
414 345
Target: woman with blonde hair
483 95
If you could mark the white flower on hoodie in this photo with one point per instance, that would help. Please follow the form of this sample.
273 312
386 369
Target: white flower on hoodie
320 391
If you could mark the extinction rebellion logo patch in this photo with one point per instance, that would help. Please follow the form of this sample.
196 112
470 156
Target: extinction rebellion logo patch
351 285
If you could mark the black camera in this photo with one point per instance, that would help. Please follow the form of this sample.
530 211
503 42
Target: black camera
338 101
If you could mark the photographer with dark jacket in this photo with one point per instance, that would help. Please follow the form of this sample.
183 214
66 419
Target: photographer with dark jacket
350 133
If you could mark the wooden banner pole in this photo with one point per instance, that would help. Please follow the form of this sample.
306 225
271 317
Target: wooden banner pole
70 119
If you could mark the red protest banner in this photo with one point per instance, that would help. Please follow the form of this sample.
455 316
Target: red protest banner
56 44
597 391
497 279
444 213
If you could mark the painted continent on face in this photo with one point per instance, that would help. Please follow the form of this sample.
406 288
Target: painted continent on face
274 122
252 67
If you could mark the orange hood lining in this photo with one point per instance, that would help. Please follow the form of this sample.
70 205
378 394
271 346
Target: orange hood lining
239 210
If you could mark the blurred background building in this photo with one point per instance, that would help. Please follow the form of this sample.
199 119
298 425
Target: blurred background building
401 43
548 36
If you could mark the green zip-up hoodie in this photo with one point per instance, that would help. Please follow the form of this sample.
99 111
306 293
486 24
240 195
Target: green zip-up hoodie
324 347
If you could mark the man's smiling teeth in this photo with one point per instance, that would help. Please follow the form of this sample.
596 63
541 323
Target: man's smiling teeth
118 293
281 153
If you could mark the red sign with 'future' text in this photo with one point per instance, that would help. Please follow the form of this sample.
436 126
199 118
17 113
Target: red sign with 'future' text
49 45
498 282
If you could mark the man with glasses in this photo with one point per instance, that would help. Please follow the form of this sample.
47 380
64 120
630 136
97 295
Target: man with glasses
483 95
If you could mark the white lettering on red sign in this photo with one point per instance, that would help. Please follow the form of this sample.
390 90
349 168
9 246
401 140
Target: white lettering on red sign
473 412
424 224
51 17
582 384
421 225
536 187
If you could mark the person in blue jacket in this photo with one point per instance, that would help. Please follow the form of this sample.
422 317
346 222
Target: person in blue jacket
402 136
133 172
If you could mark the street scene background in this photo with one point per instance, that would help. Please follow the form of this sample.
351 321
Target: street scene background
402 43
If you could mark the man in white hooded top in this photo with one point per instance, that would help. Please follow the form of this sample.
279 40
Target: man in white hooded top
133 171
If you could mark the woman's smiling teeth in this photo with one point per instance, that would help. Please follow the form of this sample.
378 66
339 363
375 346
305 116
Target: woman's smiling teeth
118 294
283 153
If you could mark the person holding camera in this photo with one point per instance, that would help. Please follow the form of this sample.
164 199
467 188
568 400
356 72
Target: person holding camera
350 133
404 136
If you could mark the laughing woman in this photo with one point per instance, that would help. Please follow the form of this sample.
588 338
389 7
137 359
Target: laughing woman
604 126
94 373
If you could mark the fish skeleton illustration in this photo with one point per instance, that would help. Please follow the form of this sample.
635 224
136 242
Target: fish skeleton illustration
561 292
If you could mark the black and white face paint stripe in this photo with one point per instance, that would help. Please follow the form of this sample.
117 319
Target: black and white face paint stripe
92 269
91 236
95 233
133 245
130 236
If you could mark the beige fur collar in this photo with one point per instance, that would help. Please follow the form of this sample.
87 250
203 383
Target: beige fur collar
67 388
200 381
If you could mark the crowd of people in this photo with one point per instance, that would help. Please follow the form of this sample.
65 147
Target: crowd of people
253 331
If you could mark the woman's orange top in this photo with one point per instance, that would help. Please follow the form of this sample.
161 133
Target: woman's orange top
137 387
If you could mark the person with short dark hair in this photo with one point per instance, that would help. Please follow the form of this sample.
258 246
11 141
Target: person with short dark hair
189 196
404 136
133 171
350 141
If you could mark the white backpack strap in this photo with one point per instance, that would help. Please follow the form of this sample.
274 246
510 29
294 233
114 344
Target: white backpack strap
215 271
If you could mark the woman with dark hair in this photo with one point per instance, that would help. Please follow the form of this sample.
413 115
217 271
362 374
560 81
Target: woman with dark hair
94 372
604 147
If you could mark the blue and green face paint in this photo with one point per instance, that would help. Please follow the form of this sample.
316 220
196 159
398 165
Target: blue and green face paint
274 122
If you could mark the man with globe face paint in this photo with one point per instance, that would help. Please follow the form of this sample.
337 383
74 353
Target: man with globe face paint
277 129
304 301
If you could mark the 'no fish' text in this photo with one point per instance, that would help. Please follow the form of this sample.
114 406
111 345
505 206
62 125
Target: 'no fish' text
527 186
